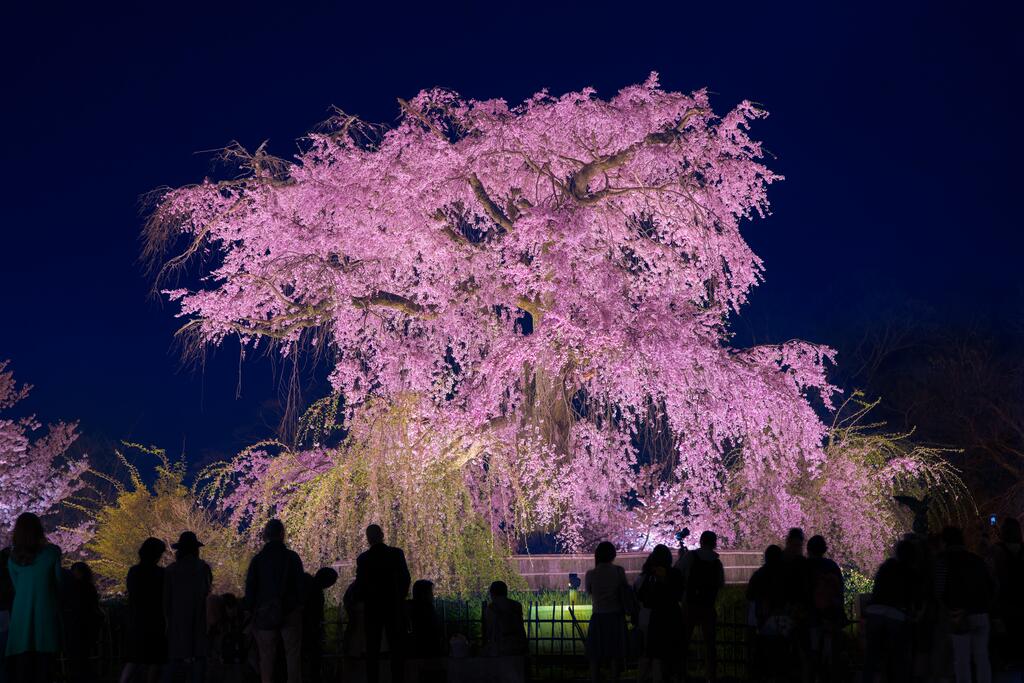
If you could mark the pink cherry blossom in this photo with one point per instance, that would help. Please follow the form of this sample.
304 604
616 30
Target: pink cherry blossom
552 282
35 471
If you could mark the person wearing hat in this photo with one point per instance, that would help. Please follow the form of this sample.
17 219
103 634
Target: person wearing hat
187 584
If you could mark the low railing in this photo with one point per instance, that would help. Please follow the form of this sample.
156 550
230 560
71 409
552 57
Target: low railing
556 632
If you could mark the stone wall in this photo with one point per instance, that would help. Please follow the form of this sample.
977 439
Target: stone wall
551 572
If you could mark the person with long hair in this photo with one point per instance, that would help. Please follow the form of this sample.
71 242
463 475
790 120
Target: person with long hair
147 632
34 637
659 589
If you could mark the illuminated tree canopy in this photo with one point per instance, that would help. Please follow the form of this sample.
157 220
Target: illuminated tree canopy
551 281
35 471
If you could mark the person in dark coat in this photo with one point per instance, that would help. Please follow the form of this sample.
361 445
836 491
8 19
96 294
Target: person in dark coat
354 638
426 635
313 621
826 616
425 628
798 598
795 573
187 584
147 628
233 639
659 590
82 621
965 588
894 599
766 595
504 634
383 578
274 592
1007 560
703 577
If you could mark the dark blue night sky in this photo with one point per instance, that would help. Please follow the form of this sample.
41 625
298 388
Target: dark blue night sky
895 124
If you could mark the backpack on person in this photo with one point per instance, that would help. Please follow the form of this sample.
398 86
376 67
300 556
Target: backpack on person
702 582
827 592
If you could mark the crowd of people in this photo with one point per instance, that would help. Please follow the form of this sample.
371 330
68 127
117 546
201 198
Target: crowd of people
937 611
177 627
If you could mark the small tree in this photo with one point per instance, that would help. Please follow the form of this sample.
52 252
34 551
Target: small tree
36 474
138 512
326 497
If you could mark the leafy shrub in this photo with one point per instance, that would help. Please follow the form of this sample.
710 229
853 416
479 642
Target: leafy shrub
137 512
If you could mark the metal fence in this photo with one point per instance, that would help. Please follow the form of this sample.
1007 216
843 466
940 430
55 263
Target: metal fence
556 633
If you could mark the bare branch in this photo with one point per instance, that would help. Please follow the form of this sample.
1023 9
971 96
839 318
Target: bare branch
415 113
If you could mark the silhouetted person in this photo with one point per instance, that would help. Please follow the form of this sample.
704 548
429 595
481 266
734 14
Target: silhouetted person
313 621
798 596
703 576
215 618
34 637
354 639
795 570
187 584
611 598
383 578
147 627
766 594
887 618
273 591
965 587
426 635
659 589
425 627
232 638
1007 559
82 621
504 634
825 583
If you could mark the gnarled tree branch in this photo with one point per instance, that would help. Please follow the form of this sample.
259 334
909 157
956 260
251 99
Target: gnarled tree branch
579 183
492 209
394 301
